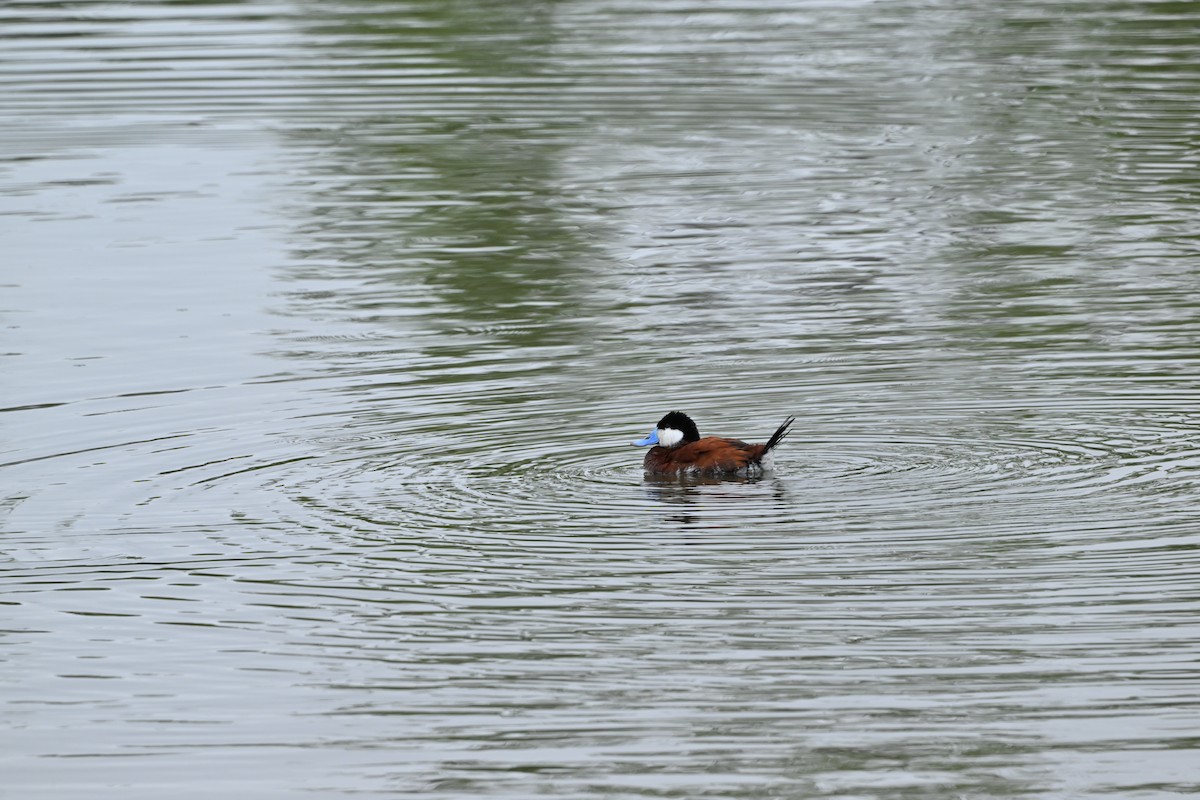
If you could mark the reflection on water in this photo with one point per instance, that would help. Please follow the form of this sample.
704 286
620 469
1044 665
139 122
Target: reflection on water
326 327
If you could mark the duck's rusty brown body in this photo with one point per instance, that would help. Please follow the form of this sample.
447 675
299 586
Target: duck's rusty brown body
711 455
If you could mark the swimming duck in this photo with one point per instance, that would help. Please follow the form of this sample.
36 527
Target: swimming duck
679 450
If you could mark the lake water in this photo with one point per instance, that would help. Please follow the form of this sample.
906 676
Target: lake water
325 328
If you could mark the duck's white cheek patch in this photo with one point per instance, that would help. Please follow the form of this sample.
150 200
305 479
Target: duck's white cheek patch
669 437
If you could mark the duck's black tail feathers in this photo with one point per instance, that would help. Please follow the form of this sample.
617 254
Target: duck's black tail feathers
778 435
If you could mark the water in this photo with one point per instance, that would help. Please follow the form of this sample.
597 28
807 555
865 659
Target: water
326 328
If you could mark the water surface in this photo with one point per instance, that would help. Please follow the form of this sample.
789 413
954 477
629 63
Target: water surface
326 328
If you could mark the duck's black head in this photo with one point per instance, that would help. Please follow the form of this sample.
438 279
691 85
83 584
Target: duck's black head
673 430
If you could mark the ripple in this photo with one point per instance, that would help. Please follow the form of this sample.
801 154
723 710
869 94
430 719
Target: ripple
514 479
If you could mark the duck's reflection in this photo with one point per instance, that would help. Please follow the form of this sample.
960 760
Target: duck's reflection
715 501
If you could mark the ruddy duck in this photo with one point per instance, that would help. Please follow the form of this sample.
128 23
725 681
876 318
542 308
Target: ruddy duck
679 450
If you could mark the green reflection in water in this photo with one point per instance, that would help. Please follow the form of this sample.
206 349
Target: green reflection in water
437 183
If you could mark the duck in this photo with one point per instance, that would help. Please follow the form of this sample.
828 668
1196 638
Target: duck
677 449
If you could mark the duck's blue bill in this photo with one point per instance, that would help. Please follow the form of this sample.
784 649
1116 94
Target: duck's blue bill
651 439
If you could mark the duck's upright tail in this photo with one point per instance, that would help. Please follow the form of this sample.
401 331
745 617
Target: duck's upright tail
778 435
